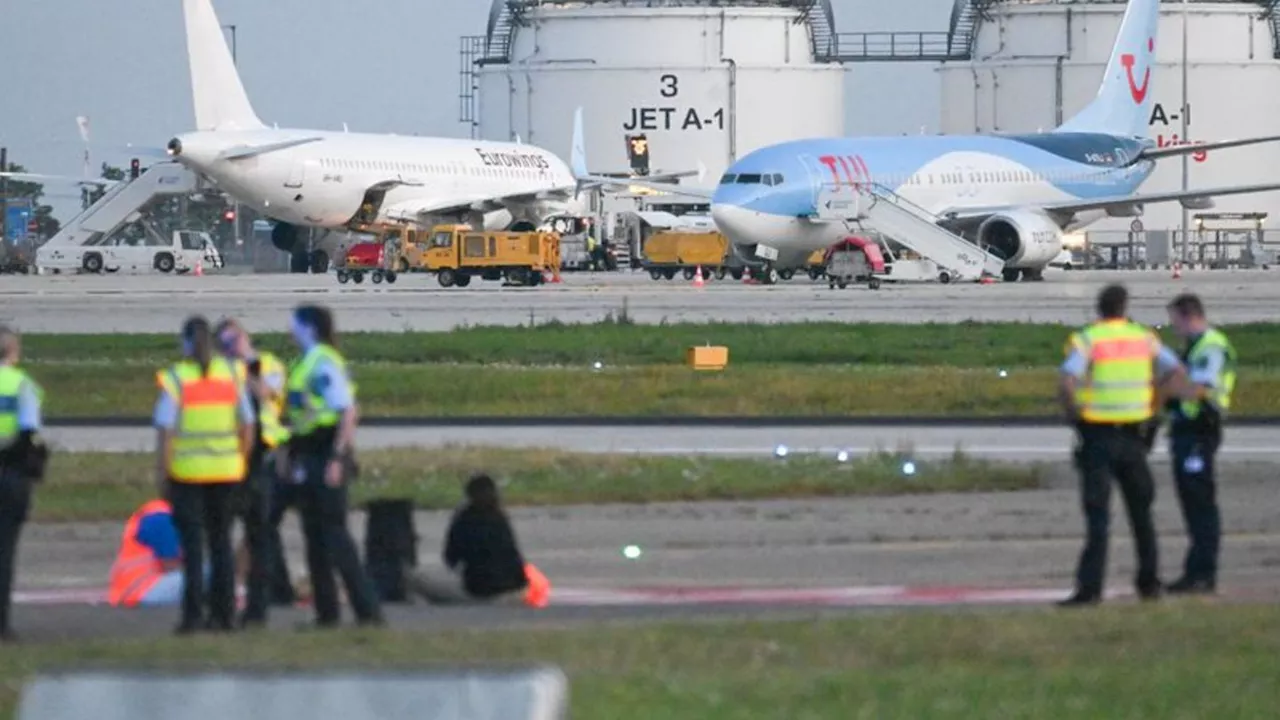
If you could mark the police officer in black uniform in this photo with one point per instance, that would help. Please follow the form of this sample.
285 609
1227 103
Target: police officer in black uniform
22 461
1195 434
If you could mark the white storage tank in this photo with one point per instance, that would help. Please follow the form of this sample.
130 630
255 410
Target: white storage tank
703 80
1037 63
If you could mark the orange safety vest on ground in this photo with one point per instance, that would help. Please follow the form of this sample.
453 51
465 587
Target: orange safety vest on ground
538 594
136 569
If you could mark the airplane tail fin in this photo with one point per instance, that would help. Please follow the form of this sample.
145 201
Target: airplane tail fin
578 152
220 100
1123 103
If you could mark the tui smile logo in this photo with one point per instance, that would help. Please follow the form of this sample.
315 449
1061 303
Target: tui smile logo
1139 93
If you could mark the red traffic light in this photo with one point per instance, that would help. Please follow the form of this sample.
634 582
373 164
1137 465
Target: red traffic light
135 168
229 216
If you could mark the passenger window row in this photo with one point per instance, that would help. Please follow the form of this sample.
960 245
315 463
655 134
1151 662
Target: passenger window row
430 169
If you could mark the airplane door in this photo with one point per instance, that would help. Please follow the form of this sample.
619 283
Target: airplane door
816 172
297 174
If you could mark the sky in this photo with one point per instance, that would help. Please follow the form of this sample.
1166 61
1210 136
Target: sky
377 65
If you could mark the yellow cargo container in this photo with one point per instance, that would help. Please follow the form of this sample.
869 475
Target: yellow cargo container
707 249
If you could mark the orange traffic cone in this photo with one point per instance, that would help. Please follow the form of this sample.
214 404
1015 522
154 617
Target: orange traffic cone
1177 271
698 280
199 271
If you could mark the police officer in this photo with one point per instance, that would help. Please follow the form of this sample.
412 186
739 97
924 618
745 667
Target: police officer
21 462
1195 433
1108 392
264 377
321 412
206 425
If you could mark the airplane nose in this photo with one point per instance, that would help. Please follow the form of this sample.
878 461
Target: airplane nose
735 222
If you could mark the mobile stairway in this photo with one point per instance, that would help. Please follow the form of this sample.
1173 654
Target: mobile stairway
121 205
873 207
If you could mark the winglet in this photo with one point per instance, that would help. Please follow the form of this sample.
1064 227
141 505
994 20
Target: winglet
578 153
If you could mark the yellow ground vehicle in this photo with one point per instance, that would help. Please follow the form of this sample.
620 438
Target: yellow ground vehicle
457 253
816 265
668 252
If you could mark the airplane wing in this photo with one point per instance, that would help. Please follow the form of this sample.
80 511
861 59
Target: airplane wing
477 203
1173 150
1190 198
648 183
578 164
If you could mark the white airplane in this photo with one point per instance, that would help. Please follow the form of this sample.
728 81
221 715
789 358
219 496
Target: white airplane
340 181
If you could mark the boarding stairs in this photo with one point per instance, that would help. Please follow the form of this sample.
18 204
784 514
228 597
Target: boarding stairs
870 206
121 205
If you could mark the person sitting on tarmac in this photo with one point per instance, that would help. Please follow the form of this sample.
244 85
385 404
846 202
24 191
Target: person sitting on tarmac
148 569
483 563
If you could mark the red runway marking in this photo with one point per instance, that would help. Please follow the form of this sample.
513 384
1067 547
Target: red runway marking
868 596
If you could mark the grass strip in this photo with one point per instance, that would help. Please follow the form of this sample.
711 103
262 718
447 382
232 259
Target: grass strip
962 345
74 390
109 486
1181 660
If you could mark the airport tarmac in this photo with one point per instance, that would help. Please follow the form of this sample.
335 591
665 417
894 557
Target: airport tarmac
791 556
158 303
999 442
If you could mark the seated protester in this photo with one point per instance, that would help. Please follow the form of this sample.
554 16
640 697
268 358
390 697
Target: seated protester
483 562
148 570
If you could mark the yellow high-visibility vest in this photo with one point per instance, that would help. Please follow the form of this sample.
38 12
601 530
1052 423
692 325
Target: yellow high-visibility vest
12 381
206 442
270 413
1119 387
1220 396
305 409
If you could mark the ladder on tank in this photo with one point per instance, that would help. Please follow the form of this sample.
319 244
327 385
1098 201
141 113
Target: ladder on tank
120 205
888 213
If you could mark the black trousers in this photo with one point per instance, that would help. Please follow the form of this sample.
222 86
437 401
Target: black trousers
282 497
202 514
330 547
268 577
1194 457
1106 453
15 500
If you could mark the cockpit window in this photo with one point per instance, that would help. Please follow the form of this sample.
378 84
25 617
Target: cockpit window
777 178
749 179
728 179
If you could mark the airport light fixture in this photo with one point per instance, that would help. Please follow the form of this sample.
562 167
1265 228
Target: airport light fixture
1186 122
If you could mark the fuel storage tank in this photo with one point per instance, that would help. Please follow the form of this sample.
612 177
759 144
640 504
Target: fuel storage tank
1037 63
700 80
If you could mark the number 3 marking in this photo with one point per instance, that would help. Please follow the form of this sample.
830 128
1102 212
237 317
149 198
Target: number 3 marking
669 85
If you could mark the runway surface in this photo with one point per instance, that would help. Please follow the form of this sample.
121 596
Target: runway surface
993 441
157 303
759 559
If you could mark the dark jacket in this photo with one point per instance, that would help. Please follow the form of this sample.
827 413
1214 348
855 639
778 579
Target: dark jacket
483 543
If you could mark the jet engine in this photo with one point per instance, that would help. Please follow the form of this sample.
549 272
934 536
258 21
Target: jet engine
1023 238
